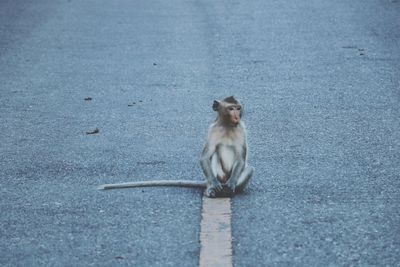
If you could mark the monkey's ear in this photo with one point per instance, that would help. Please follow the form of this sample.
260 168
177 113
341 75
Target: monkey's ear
215 105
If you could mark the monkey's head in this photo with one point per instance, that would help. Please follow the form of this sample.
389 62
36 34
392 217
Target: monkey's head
229 111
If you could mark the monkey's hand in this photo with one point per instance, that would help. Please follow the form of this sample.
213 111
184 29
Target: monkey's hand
217 185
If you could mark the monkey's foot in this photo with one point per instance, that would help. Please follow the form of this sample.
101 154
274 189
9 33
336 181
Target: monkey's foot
227 191
211 193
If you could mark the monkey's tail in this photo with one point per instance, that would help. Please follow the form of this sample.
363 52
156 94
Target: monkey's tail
180 183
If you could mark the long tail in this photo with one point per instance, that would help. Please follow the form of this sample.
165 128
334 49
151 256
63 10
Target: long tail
180 183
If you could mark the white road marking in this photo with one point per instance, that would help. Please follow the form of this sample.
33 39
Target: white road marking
215 233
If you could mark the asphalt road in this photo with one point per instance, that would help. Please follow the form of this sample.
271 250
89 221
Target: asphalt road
320 81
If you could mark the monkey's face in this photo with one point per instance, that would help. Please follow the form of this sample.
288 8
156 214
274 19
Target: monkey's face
229 111
233 114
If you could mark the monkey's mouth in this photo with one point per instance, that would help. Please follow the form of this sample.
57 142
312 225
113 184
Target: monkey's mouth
235 121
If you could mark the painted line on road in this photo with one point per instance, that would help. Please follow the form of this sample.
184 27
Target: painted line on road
215 233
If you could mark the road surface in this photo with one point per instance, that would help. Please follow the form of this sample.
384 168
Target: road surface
320 81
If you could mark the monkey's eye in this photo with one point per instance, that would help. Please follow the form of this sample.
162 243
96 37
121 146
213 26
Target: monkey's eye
239 108
231 108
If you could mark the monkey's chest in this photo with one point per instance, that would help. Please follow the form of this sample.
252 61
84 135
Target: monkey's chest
227 157
222 162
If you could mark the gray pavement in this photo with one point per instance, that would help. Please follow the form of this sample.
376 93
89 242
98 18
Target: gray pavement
320 81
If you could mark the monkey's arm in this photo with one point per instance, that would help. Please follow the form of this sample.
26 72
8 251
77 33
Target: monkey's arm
213 185
180 183
205 162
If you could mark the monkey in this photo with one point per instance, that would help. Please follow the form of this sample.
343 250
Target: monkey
223 159
224 156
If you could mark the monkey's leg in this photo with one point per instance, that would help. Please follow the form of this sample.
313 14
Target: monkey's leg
244 179
209 169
